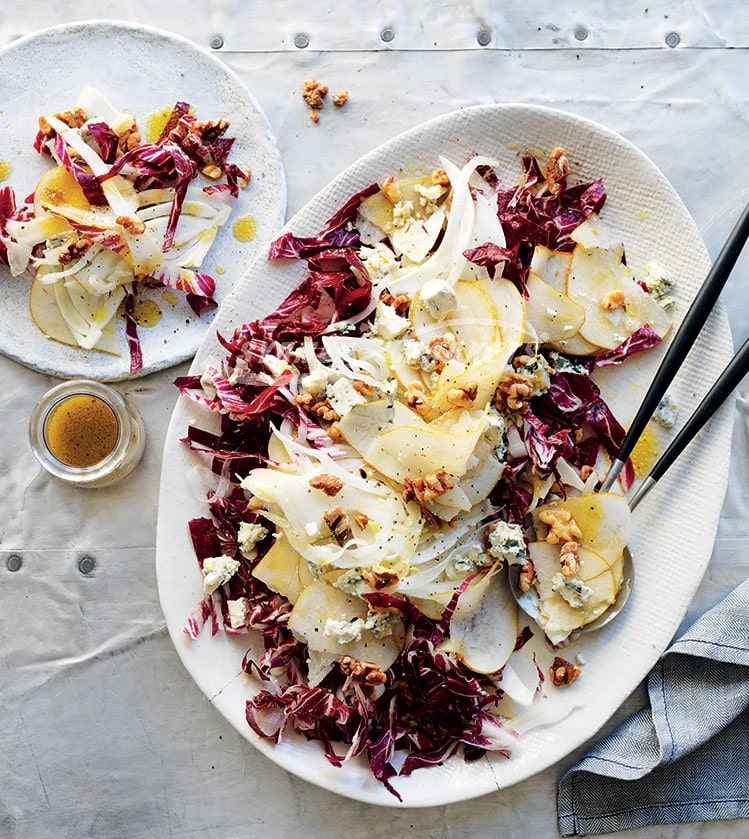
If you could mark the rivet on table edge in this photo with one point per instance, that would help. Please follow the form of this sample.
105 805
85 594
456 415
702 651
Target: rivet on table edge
216 42
673 39
387 34
581 33
301 41
14 562
86 565
484 37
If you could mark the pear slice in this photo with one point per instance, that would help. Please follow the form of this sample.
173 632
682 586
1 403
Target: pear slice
595 274
557 617
484 626
319 603
551 266
284 570
550 314
604 519
378 210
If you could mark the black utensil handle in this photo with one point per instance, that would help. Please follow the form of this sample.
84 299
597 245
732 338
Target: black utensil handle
737 368
694 320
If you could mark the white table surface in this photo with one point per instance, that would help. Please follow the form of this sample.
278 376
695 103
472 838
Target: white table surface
102 731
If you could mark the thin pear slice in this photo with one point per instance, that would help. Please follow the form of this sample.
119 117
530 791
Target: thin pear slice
557 617
283 570
604 519
595 276
484 626
550 314
320 603
378 210
551 266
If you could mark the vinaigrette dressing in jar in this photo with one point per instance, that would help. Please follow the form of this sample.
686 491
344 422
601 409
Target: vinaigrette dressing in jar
86 433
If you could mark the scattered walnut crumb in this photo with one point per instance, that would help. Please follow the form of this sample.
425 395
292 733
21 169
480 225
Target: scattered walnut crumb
322 409
400 302
563 672
527 576
314 116
557 170
569 559
134 226
361 520
439 177
562 526
330 484
361 671
428 488
513 393
314 93
339 99
364 388
338 523
585 470
334 431
379 578
391 190
212 171
443 349
416 399
74 250
612 300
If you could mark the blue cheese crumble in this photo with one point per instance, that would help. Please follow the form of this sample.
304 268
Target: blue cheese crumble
348 630
665 413
506 543
249 535
218 570
574 591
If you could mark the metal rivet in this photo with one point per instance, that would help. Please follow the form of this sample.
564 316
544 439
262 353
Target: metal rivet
581 33
216 42
673 39
387 34
13 562
484 37
301 41
86 565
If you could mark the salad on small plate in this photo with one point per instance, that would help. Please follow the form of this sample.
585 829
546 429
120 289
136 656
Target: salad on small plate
443 357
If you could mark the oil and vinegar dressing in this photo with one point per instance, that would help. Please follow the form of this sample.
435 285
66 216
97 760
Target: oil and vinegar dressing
81 430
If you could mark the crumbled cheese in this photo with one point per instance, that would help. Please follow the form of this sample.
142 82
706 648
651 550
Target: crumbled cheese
665 413
496 431
659 286
344 630
317 380
351 582
428 197
312 529
388 324
343 396
274 365
537 370
464 561
506 542
218 570
237 612
413 351
249 535
402 213
379 260
439 298
562 364
380 624
574 591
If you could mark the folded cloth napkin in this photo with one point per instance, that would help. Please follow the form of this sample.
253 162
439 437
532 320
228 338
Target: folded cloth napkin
686 757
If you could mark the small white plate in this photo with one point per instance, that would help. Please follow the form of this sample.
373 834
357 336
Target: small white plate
674 527
141 70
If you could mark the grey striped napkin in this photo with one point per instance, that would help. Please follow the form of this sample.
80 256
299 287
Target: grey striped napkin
686 757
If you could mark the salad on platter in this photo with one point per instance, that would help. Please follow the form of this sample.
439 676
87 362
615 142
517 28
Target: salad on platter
434 368
118 212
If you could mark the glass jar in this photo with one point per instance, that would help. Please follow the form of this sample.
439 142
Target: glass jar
86 433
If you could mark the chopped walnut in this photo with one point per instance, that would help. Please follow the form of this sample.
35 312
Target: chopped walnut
334 431
314 93
364 388
462 397
513 393
134 226
586 471
322 409
612 300
379 578
416 399
329 484
314 116
439 177
562 526
563 672
361 671
338 523
443 349
339 99
527 576
557 170
428 488
578 435
45 128
129 139
212 171
569 559
73 119
210 129
391 190
74 250
400 302
361 520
